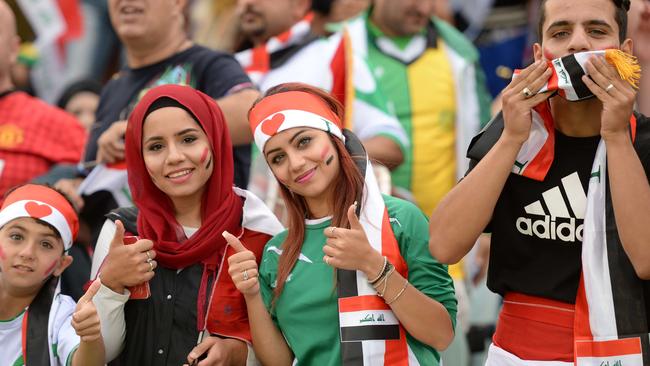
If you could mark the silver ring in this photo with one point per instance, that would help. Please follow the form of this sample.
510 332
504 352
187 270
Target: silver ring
245 275
332 230
609 88
327 260
527 93
151 265
148 256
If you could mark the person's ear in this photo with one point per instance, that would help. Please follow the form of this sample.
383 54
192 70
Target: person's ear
537 51
14 50
302 7
65 262
627 46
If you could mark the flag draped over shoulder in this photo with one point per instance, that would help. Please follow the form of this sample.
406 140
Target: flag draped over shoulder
370 332
610 315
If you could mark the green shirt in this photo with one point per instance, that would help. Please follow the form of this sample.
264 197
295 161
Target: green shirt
307 310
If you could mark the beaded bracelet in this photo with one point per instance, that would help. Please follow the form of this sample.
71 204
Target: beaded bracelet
385 279
381 273
406 283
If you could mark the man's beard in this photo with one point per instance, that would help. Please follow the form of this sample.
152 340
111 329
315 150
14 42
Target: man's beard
257 31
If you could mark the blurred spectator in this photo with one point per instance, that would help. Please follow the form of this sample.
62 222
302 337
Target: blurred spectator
329 15
284 49
639 32
157 52
426 69
89 56
33 135
501 32
81 99
20 72
279 46
214 24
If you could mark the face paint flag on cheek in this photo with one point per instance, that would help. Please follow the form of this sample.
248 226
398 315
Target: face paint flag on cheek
568 71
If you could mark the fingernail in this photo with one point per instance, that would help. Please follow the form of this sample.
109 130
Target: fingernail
224 233
355 203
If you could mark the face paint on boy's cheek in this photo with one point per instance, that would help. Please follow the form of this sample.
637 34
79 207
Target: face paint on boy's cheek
50 268
329 160
548 55
204 155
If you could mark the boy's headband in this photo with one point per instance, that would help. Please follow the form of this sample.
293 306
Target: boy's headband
286 110
45 204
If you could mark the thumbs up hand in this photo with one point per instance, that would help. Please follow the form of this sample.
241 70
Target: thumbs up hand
242 267
85 319
350 249
127 265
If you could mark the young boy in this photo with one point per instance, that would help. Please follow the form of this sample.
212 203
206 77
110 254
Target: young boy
37 323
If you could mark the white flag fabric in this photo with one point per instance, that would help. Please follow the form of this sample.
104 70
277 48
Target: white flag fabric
111 178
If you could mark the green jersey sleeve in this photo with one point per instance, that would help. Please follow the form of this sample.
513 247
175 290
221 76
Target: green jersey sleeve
268 272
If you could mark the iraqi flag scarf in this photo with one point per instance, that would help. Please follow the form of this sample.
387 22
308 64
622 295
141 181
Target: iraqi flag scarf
566 79
370 333
610 325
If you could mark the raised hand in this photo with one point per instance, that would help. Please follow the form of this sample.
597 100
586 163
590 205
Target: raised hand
110 145
519 98
350 249
85 319
616 95
127 265
242 267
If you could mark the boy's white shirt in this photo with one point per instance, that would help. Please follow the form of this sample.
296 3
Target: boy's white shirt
61 333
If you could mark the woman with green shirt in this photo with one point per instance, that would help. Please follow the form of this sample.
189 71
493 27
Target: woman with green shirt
351 282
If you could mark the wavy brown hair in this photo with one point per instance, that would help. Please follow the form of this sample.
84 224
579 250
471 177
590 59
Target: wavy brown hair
348 187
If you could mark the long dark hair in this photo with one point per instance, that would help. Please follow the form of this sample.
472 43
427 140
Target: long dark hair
348 187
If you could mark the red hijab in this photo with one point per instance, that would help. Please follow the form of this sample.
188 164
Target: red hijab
221 208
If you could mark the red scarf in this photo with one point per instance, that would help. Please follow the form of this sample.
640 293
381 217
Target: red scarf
221 209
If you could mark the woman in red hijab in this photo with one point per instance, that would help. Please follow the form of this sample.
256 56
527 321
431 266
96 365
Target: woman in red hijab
180 167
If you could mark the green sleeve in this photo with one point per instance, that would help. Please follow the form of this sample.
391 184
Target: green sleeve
268 274
426 274
483 96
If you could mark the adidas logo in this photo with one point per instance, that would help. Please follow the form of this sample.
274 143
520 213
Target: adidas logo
561 221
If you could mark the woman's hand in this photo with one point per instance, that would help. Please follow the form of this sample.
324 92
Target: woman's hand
616 95
127 265
219 352
242 267
519 98
110 144
350 249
